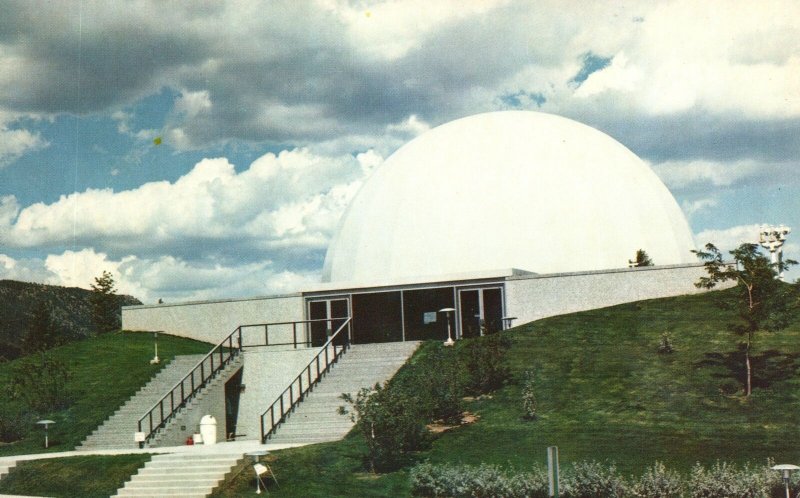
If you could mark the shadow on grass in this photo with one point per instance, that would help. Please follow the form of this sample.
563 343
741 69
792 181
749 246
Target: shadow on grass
768 367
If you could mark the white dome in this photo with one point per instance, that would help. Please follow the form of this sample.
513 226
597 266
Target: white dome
501 190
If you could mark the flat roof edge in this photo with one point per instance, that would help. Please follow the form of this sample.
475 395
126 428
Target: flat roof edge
602 272
214 301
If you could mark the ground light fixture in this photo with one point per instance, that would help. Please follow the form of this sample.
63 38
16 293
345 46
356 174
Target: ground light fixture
786 471
155 360
46 424
447 311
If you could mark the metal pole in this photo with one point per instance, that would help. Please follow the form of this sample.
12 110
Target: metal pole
552 470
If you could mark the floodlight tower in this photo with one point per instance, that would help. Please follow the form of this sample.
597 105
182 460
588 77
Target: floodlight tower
772 239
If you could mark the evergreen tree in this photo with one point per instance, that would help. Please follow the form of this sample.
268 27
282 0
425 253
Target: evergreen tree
105 308
642 259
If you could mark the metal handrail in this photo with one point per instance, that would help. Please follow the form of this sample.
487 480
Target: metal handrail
302 389
183 391
193 387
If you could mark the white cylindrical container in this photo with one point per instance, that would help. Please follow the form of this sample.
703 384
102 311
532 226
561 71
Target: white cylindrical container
208 429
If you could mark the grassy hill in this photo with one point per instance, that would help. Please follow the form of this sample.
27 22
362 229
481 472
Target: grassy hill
70 310
604 393
104 372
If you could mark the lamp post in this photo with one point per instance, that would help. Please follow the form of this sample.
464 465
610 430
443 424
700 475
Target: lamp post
46 424
786 471
155 360
772 239
447 311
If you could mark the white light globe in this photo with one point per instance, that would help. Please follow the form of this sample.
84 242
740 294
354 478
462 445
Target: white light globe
512 189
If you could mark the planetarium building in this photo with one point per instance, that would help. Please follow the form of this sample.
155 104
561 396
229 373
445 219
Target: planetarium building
488 221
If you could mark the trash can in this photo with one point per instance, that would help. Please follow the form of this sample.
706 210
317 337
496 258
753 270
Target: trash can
208 429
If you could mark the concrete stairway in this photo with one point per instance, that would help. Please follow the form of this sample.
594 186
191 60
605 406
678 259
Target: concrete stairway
118 430
316 419
192 474
171 434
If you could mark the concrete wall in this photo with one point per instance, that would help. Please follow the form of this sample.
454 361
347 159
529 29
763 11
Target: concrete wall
267 372
212 321
534 297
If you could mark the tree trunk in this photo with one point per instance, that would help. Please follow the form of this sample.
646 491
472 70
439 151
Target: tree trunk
749 388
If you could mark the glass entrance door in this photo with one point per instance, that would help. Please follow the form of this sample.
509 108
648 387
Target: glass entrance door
332 313
481 311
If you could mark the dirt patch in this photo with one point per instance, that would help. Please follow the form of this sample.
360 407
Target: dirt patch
439 426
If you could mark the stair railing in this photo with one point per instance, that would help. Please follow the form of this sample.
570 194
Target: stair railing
205 370
328 355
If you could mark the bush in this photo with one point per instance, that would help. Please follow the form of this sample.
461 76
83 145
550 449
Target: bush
591 480
658 482
438 386
725 480
482 481
14 422
528 397
41 384
665 345
484 363
390 423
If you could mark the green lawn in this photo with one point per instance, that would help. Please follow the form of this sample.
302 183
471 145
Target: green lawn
106 371
603 393
74 477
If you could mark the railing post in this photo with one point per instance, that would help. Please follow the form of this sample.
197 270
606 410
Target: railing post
294 334
192 382
317 358
291 395
326 357
161 410
272 417
202 373
282 407
211 357
300 378
266 335
221 361
151 421
240 337
262 430
183 396
172 401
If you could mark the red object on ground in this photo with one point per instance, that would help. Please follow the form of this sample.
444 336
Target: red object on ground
189 441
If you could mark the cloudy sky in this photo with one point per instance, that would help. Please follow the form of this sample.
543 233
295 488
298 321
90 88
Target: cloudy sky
207 149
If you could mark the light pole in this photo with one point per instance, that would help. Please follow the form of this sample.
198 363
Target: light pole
447 311
155 360
786 471
772 239
46 424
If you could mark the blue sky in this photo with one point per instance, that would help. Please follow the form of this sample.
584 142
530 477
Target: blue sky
207 150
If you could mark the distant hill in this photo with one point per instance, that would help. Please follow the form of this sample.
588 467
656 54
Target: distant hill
70 309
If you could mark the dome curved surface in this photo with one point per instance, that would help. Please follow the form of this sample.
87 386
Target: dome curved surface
510 189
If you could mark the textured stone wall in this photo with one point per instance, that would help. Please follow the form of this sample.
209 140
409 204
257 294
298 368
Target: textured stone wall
534 297
212 321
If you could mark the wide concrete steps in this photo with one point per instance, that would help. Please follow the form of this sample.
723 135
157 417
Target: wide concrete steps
192 474
211 386
316 418
118 430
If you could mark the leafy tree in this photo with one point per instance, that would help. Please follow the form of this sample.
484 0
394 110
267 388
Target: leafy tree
105 308
760 299
42 332
641 259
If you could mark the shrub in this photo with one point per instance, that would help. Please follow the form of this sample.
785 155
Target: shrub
528 397
484 363
658 482
665 345
438 386
592 479
14 422
725 480
482 481
390 423
41 384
